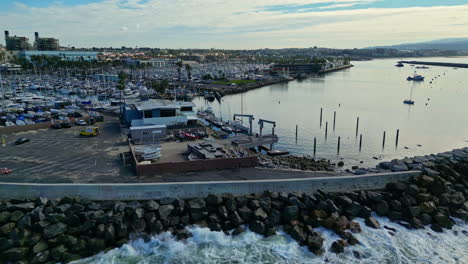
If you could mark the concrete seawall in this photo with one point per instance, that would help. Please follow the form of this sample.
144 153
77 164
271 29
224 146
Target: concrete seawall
199 189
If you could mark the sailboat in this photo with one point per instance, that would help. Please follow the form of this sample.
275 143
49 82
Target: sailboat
409 101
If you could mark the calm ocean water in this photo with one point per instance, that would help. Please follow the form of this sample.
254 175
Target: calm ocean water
373 91
377 246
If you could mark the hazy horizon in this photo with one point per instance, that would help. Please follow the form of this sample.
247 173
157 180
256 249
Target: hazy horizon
238 24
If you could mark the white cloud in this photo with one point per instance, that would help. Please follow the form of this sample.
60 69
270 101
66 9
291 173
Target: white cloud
233 24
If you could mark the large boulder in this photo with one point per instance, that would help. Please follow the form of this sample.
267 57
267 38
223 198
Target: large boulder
54 230
341 223
260 214
372 222
257 227
165 211
214 199
197 208
298 234
274 218
151 205
246 213
443 220
314 242
338 246
290 213
40 246
382 208
15 254
353 209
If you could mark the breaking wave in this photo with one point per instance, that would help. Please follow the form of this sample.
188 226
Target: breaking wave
377 246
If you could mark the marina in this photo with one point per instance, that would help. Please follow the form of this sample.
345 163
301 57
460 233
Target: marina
345 96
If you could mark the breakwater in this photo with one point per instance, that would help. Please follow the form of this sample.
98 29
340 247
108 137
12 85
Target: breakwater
48 231
443 64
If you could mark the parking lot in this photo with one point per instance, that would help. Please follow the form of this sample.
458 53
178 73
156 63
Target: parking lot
62 156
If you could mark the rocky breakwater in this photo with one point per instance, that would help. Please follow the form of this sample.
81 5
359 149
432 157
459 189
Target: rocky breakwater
50 231
305 163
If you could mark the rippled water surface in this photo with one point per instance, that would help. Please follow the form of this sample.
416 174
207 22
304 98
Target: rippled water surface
373 91
377 246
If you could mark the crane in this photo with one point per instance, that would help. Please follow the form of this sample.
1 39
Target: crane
261 121
251 117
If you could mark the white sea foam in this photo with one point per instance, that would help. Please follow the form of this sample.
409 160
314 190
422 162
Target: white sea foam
377 246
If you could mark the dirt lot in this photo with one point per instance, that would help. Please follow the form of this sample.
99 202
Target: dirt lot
61 156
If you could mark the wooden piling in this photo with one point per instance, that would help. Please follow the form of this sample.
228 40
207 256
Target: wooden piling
334 120
357 126
360 142
321 111
338 150
397 137
315 145
383 142
326 130
296 132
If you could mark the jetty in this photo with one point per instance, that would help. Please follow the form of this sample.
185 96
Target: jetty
442 64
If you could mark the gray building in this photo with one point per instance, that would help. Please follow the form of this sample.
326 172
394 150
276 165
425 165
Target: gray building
45 43
16 43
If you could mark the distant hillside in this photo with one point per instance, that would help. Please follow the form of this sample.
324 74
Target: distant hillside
460 44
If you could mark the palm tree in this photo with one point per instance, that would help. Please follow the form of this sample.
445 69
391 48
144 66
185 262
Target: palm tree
121 86
189 71
179 67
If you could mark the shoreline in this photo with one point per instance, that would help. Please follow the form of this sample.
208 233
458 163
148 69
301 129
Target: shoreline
43 230
237 90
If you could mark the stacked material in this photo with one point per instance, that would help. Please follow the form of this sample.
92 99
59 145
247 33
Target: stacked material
148 152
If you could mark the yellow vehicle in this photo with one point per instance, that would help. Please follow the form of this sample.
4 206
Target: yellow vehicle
90 132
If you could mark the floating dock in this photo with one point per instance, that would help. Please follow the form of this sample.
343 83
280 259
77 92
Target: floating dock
442 64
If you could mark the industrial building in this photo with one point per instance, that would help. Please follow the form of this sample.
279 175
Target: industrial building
16 43
45 43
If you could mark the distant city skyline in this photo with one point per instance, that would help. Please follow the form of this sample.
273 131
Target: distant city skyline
240 24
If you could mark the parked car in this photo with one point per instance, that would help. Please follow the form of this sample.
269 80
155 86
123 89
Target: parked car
90 132
80 122
20 141
66 125
5 171
56 126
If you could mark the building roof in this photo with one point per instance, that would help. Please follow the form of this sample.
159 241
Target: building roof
161 104
148 127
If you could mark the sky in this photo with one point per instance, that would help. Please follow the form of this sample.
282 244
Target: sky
236 24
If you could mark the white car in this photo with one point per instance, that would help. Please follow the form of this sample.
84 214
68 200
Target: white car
80 122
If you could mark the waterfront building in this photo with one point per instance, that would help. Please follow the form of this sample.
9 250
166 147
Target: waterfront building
46 43
194 57
65 55
160 63
159 112
16 43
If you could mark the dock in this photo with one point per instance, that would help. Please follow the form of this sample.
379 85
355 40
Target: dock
442 64
251 142
336 68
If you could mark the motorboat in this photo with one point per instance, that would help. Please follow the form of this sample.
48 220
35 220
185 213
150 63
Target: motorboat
227 129
415 77
408 102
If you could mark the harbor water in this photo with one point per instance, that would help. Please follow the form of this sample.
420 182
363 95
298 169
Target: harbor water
377 246
374 91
